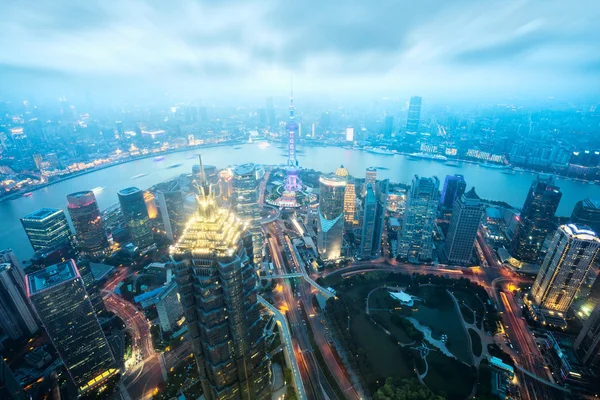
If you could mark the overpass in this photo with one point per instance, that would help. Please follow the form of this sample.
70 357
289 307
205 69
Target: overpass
289 347
324 292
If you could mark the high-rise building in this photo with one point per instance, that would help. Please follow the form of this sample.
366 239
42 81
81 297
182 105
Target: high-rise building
349 196
245 204
414 116
416 242
150 201
381 193
332 189
135 214
89 228
16 317
388 126
587 212
368 223
536 220
572 251
168 308
47 228
10 389
217 287
587 344
464 224
170 204
370 178
225 185
454 187
62 304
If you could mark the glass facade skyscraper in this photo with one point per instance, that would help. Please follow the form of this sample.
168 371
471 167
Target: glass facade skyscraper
587 344
245 204
368 223
454 187
135 213
47 229
464 224
89 228
416 242
332 190
16 317
587 212
414 116
572 251
62 304
217 287
536 220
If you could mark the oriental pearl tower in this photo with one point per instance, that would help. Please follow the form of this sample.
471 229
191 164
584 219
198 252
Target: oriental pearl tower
292 182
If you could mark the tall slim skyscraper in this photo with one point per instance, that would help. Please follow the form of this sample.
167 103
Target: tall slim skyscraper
368 223
370 178
217 287
89 228
245 204
464 224
381 194
414 116
16 317
587 344
454 187
332 189
170 203
587 212
536 220
416 242
47 228
62 304
135 214
349 196
572 251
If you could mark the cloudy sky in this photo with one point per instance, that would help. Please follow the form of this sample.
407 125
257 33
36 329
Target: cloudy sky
255 46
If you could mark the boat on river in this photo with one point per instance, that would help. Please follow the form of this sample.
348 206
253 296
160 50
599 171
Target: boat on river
428 156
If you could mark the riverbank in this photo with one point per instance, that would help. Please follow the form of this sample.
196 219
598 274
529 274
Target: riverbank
18 194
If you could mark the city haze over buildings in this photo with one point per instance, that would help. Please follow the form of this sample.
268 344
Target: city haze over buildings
203 49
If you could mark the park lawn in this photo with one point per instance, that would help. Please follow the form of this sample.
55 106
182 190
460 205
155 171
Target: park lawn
439 313
475 342
472 301
379 300
386 357
448 377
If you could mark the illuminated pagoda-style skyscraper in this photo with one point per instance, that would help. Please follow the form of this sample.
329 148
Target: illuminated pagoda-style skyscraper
217 286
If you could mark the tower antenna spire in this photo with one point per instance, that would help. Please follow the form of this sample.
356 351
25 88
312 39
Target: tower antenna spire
291 97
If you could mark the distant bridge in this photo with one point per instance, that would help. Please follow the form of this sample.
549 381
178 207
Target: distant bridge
324 292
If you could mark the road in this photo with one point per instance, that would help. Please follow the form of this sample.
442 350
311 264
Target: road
145 371
287 336
315 382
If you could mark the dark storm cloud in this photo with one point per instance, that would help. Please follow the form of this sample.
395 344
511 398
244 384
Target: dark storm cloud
336 44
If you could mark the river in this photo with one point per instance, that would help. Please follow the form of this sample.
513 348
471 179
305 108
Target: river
489 183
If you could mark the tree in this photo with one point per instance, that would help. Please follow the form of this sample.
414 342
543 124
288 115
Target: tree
404 389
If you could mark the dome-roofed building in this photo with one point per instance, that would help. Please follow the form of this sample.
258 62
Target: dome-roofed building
341 171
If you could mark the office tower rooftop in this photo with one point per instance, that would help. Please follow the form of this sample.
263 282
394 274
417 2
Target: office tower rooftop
47 228
587 344
587 212
89 227
135 214
572 251
63 305
464 224
217 285
454 187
